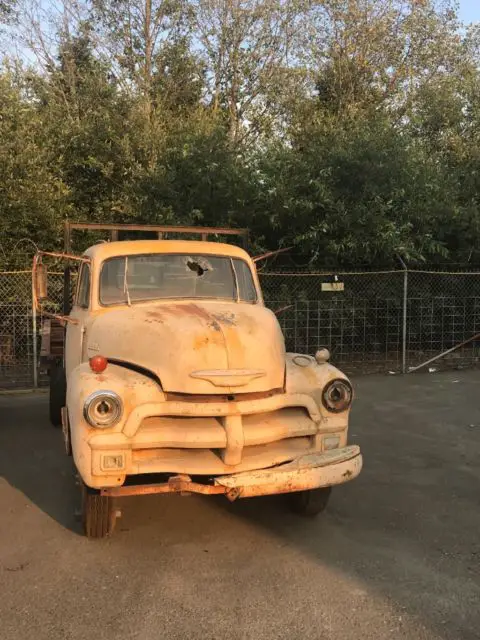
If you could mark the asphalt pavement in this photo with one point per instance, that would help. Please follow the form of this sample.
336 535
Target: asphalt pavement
396 554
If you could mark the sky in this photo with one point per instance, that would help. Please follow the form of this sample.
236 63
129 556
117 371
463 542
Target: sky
470 10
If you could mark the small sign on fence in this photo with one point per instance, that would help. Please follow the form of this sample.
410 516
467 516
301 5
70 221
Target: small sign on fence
333 286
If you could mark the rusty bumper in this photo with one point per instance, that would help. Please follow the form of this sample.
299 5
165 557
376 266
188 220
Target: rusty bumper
310 471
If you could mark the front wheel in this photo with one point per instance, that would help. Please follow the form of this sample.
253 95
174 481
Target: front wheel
98 513
310 502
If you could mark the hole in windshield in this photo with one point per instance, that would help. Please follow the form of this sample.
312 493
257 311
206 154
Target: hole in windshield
199 267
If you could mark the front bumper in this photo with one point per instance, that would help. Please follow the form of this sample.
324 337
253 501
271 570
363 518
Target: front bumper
309 471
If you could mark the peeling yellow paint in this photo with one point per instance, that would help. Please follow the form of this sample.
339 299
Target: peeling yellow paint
207 389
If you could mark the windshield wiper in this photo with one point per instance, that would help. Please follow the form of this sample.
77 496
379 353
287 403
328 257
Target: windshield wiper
235 280
125 283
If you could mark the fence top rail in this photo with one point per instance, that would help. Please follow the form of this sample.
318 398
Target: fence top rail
474 272
11 273
305 274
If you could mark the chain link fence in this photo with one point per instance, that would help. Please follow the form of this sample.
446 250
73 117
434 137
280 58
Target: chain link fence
388 321
384 321
16 329
443 310
20 331
358 316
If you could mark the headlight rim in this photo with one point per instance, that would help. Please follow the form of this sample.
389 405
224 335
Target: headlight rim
96 397
344 407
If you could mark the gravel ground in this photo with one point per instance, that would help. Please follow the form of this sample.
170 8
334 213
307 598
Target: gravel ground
396 555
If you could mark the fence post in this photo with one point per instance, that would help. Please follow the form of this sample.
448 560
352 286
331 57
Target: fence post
404 315
34 329
295 328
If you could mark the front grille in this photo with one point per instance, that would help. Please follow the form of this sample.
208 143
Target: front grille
209 462
199 432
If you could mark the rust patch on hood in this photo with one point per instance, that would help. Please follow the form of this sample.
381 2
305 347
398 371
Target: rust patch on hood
154 316
188 309
228 319
202 340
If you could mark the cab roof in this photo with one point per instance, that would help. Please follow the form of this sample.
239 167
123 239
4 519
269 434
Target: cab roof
102 251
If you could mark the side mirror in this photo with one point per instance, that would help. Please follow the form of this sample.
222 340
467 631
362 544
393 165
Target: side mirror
41 287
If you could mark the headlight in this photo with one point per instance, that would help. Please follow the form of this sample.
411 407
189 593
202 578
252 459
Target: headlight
102 409
337 396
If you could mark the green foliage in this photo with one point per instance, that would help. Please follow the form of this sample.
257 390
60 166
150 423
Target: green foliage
7 11
348 130
33 197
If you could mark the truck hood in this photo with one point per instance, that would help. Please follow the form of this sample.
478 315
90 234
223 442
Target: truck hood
203 347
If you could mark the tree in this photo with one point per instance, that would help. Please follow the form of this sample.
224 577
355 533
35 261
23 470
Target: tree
368 54
348 129
7 11
179 78
33 197
246 46
88 125
135 31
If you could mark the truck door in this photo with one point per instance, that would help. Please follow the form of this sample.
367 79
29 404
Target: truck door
75 343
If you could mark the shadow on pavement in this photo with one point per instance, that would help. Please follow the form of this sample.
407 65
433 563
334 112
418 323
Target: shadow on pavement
32 458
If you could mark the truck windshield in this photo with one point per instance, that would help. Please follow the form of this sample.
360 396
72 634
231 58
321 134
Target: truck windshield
138 278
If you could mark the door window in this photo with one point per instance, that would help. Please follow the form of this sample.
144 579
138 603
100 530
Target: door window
83 293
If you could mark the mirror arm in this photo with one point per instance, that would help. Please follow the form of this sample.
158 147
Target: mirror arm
57 316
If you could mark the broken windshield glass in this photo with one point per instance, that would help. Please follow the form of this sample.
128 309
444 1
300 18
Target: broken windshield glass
157 276
198 265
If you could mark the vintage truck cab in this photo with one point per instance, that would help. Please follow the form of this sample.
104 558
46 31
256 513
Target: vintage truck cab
173 366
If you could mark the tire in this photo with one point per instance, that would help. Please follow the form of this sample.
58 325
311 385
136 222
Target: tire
58 393
310 503
98 513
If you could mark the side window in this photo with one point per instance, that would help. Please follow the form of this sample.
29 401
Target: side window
83 293
246 286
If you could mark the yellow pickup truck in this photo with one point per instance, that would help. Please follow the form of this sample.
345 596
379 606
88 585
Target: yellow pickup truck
174 378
